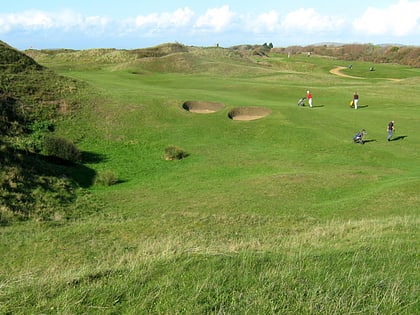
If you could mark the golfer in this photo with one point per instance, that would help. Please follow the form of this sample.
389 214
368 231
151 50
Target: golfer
309 96
390 130
358 138
355 100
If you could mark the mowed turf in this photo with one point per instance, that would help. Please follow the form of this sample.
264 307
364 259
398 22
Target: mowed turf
280 215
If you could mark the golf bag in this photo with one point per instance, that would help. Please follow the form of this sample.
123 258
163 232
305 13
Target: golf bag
301 101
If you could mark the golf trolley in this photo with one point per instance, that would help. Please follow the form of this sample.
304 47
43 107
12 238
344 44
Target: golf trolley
301 101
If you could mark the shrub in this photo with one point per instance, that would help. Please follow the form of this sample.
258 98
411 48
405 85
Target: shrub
174 153
38 132
62 148
107 178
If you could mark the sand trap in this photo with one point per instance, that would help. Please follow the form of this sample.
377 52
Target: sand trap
201 107
248 113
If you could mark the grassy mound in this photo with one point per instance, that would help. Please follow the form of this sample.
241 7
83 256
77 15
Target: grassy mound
13 61
32 99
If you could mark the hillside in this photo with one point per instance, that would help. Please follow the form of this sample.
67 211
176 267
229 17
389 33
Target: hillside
32 99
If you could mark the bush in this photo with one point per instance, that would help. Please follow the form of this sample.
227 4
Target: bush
174 153
62 148
107 178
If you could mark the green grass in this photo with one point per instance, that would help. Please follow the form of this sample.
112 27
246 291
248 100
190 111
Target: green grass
282 215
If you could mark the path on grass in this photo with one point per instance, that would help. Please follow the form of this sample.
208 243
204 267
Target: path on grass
337 71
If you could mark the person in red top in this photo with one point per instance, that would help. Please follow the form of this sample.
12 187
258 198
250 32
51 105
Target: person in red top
309 96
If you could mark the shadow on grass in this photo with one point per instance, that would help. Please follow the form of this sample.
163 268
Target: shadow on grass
399 138
92 157
35 184
79 173
359 106
370 140
82 175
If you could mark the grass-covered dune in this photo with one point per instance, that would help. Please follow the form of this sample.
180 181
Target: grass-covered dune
33 98
283 214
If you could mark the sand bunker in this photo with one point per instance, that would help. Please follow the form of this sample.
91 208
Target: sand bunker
201 107
248 113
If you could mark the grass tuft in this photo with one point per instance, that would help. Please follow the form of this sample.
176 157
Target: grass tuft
174 153
106 178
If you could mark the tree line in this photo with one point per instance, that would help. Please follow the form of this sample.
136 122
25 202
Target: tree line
404 55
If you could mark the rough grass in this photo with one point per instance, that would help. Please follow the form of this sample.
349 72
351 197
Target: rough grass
279 215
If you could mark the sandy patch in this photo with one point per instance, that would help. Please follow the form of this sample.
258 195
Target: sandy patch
201 107
202 111
248 113
337 71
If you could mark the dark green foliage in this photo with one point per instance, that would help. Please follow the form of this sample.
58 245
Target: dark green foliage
268 46
29 92
10 117
13 61
62 148
38 131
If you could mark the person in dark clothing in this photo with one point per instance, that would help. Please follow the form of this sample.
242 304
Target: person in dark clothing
355 100
390 130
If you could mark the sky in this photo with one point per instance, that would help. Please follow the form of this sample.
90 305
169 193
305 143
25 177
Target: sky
130 24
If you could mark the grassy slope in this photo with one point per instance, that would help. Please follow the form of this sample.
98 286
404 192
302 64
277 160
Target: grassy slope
32 186
279 215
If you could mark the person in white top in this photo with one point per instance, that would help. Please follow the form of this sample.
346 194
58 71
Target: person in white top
309 96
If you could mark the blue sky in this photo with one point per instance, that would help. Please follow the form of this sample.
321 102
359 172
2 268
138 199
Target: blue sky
136 24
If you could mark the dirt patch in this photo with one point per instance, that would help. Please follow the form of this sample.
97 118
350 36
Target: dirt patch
201 107
337 71
249 113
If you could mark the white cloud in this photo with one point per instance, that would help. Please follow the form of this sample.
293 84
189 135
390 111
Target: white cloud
39 20
26 20
400 19
178 18
216 19
309 21
265 22
301 26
